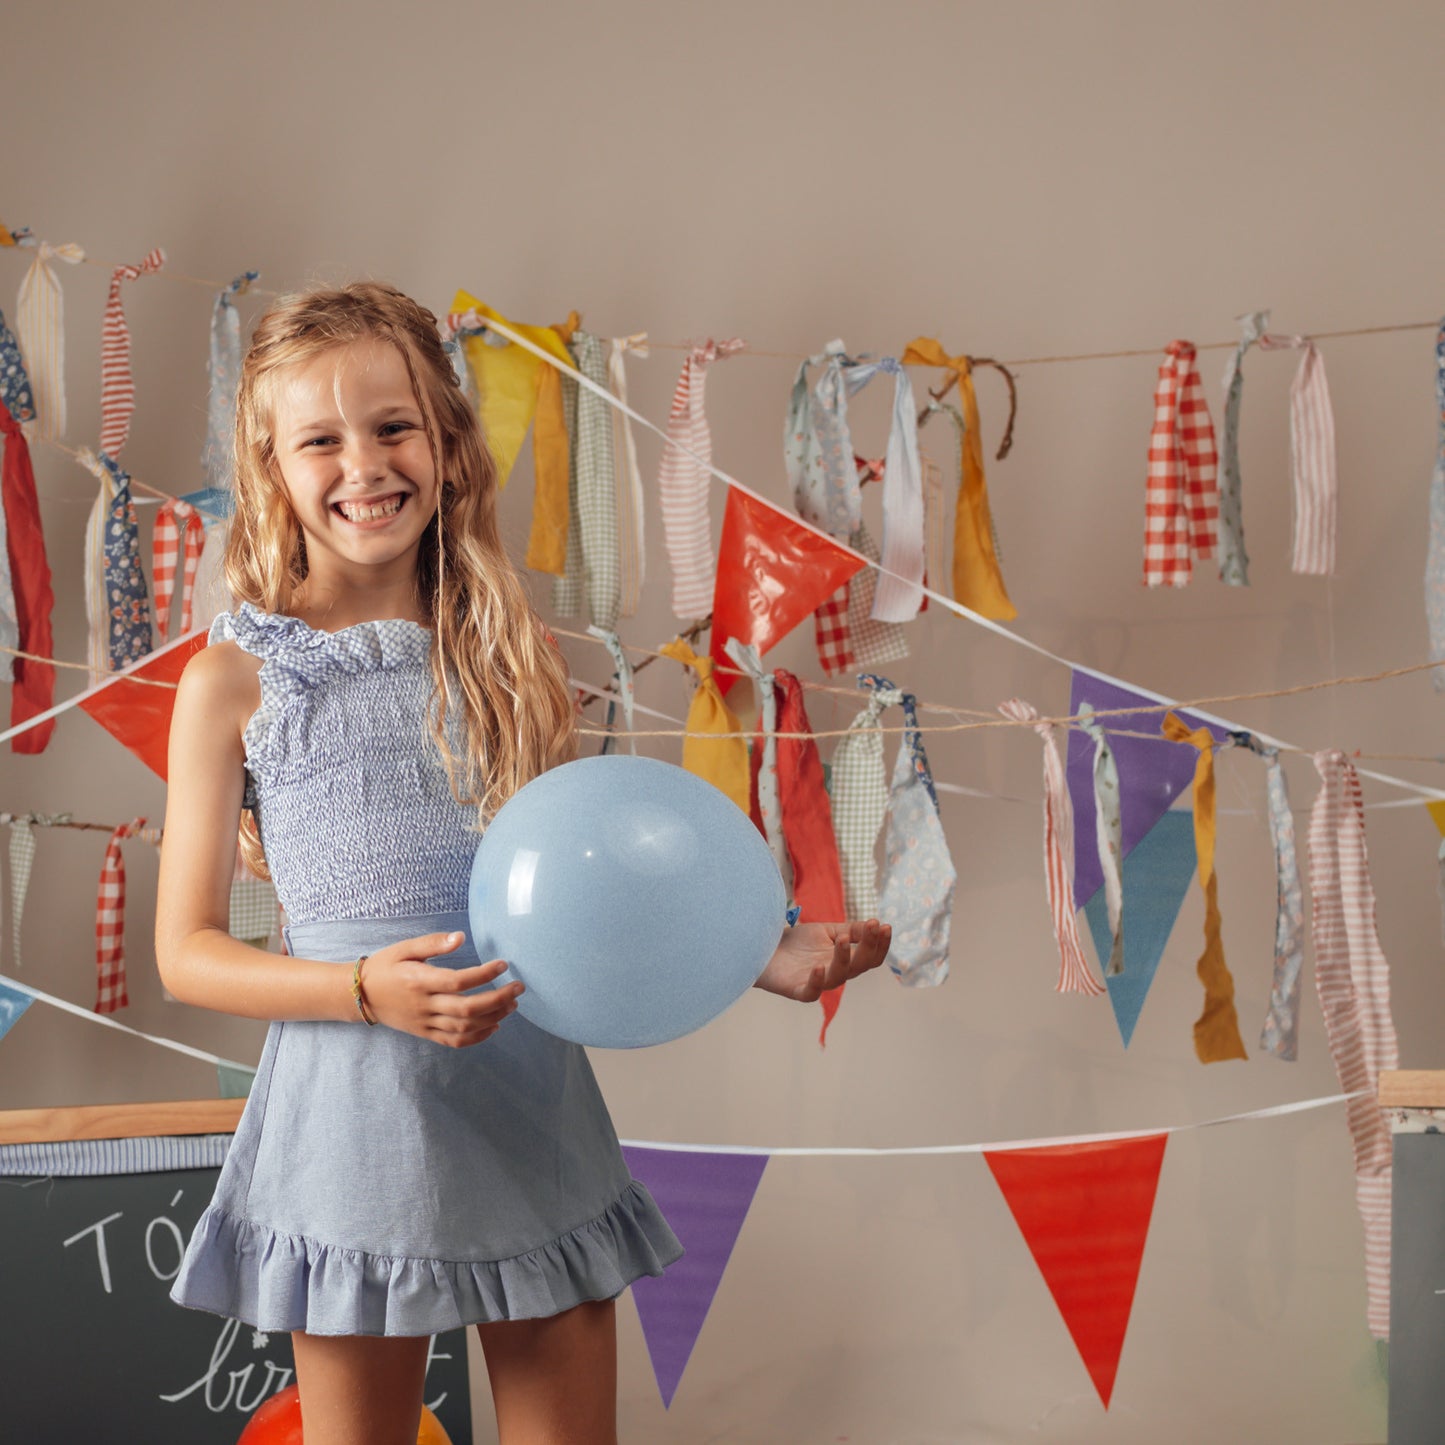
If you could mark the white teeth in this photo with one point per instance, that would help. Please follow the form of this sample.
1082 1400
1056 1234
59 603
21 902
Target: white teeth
369 512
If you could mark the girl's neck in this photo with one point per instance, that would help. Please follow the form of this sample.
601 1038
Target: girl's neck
330 608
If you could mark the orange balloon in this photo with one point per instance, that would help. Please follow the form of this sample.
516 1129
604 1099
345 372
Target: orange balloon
278 1422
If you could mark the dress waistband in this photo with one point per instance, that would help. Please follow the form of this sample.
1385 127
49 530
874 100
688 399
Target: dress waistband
340 940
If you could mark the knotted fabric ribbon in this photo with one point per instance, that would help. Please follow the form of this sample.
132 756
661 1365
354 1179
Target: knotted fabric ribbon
899 589
40 320
120 621
9 618
1435 563
1233 559
1181 499
224 370
594 568
117 387
916 882
513 387
808 821
763 770
22 860
860 800
171 517
977 576
817 447
1312 458
683 479
1354 989
622 677
110 990
15 389
1109 836
1075 975
1280 1035
33 689
1216 1030
722 761
631 532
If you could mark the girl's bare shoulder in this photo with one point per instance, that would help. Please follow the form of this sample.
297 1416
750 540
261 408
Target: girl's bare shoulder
220 685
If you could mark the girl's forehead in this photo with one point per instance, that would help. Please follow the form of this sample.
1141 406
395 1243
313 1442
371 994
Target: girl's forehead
356 376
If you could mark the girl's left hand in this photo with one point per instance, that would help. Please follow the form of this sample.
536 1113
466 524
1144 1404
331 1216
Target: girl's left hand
814 957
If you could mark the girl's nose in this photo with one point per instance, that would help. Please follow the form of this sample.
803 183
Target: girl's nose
363 460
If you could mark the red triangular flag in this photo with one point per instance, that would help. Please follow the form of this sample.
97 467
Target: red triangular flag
772 572
139 716
1084 1213
705 1197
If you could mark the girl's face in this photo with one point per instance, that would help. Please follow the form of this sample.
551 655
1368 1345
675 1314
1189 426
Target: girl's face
355 462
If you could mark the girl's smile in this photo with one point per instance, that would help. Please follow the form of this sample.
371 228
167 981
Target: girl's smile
353 453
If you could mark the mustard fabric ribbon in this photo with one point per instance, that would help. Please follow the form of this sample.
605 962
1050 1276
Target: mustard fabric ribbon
1216 1030
977 577
723 762
513 388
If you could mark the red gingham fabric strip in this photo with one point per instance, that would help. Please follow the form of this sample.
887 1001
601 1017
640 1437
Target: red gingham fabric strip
1075 975
1353 980
1181 501
830 631
166 545
110 993
117 389
683 482
1312 458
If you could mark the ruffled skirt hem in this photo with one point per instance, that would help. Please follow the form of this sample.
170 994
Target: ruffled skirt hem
274 1281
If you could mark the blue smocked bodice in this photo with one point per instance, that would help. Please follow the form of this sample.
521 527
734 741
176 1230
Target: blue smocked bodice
356 814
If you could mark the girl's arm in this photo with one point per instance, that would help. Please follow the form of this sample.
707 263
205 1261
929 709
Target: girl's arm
201 964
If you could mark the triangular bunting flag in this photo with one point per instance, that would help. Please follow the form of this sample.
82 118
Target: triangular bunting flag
234 1083
1084 1210
772 572
1157 875
13 1003
137 715
1437 812
705 1197
1152 773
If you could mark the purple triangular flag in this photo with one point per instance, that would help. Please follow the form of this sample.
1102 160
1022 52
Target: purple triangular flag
1152 772
705 1197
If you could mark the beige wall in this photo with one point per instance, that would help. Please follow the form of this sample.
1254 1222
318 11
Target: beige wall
1021 181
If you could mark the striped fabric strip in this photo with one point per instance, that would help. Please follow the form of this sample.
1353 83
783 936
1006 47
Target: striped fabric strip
1109 835
631 528
40 321
224 372
683 480
117 387
165 553
1233 560
935 562
1312 458
1216 1030
1181 497
1353 980
1075 975
1435 560
79 1158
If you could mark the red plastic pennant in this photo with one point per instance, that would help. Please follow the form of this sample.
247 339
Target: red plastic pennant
34 688
137 716
808 823
772 572
1084 1213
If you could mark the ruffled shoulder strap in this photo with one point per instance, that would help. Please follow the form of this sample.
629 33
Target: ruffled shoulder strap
311 657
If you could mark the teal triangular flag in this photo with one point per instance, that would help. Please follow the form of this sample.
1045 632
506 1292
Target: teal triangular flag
1157 875
235 1083
13 1003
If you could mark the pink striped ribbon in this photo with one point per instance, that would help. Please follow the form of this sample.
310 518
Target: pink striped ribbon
117 388
683 480
1353 980
165 551
1312 457
1075 975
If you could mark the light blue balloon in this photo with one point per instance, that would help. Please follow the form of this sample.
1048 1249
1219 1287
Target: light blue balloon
634 900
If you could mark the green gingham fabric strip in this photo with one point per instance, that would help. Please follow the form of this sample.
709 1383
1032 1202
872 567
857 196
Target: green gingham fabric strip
859 799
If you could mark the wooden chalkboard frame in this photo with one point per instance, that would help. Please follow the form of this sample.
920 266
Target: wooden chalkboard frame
119 1121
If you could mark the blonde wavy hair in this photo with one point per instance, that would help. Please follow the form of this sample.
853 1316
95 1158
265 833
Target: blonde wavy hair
492 659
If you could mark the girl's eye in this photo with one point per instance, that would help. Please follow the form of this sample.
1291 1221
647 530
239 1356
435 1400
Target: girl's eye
319 442
395 428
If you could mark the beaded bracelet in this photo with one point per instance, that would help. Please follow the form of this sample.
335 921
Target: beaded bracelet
356 993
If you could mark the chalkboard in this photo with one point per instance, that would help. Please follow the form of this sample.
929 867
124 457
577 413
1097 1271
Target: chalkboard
1417 1290
91 1346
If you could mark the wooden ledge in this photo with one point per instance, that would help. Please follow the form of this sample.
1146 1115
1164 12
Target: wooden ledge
1407 1089
119 1121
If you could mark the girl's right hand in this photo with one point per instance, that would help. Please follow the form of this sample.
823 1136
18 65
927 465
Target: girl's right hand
405 992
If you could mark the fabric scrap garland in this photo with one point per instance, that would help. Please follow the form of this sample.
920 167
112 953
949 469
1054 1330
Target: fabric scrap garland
1181 503
117 386
33 689
110 988
172 518
224 373
40 320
